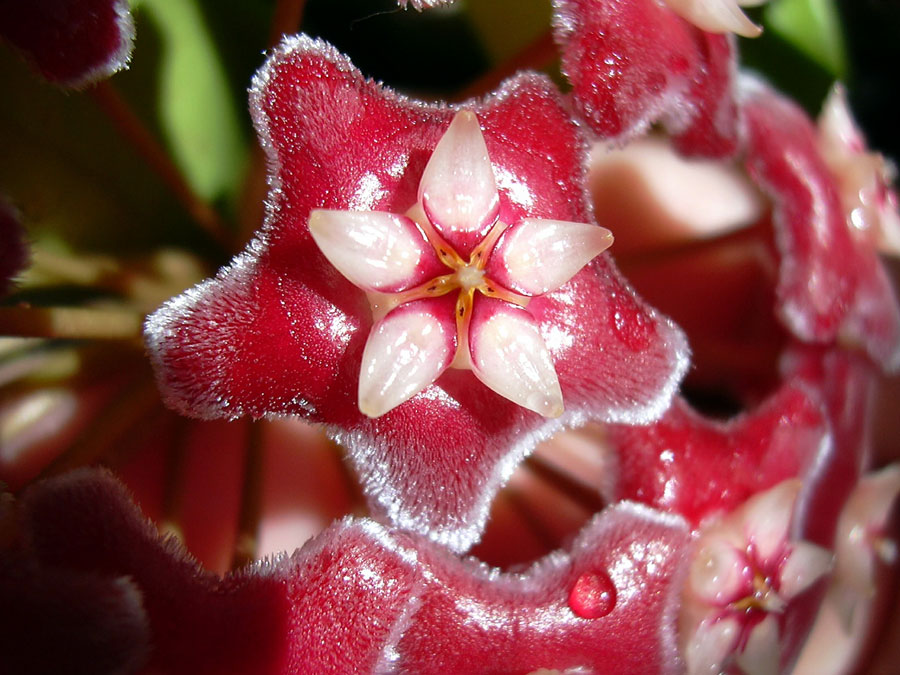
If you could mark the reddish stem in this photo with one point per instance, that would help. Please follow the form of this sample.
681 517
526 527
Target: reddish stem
247 539
286 19
130 126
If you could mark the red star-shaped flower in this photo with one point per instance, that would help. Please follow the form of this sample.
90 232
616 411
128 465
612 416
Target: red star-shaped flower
371 193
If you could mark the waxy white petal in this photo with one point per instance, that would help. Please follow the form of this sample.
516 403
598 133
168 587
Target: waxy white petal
375 250
718 571
537 256
716 16
762 652
767 517
861 525
805 565
706 651
458 190
406 351
508 354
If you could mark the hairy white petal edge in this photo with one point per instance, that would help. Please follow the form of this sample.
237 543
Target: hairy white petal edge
406 351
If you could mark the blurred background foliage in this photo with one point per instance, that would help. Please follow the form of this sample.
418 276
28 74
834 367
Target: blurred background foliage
81 188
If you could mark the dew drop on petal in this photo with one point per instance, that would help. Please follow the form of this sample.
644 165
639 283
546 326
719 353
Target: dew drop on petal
593 595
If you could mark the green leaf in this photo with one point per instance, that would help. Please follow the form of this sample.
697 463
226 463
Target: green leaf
196 111
813 27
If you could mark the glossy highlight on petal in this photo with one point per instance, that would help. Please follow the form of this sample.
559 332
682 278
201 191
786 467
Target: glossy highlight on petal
762 653
458 190
806 564
375 250
767 517
537 256
710 646
406 351
510 357
716 16
718 571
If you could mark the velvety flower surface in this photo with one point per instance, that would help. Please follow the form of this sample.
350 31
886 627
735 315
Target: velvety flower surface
275 617
636 62
282 331
402 601
71 43
697 467
831 285
660 539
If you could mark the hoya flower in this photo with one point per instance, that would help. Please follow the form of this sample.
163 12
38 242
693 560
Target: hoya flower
594 534
72 44
865 177
746 571
467 250
388 188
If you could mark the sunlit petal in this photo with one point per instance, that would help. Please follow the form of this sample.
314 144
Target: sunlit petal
537 256
509 355
806 564
458 190
716 16
406 351
375 250
710 645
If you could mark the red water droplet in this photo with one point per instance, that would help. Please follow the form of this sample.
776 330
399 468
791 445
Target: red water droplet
593 595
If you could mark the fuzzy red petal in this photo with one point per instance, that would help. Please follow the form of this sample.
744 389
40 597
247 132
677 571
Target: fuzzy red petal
635 62
280 331
831 285
607 605
697 467
59 621
337 605
71 43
